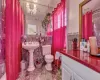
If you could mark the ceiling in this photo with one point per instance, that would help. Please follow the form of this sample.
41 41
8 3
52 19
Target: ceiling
42 7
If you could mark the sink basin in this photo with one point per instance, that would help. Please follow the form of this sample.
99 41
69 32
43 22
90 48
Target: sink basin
30 46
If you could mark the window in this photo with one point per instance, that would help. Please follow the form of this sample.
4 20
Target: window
65 17
31 30
59 21
62 18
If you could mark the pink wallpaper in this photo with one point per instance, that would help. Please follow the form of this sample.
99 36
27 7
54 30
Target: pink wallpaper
2 63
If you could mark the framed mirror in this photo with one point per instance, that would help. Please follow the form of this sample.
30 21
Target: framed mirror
89 20
31 29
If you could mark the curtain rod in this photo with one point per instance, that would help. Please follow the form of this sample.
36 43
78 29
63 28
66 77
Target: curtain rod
36 3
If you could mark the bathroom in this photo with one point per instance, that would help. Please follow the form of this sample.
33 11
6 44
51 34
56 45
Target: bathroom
49 40
30 37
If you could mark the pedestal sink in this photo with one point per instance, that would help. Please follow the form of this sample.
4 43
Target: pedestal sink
30 46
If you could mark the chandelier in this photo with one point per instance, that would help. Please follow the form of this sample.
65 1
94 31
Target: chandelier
31 7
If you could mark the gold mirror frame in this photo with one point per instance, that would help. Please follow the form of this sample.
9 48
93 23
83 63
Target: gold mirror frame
80 17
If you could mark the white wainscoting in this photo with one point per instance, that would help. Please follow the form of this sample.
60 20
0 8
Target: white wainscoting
77 71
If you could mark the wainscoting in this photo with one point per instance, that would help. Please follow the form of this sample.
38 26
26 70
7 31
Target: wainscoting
71 36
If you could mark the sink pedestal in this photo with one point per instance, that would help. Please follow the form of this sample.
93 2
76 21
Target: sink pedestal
31 61
31 47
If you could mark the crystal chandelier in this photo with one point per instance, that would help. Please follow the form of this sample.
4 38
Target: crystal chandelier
31 7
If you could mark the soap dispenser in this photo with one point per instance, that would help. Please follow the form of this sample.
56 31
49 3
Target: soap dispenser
85 46
82 45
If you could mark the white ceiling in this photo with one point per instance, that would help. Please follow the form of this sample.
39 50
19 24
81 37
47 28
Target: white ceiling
43 7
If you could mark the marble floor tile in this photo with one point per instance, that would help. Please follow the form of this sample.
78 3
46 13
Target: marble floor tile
37 74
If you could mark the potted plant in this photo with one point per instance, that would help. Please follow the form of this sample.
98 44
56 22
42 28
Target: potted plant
46 21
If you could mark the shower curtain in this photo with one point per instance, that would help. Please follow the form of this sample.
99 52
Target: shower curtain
14 23
59 27
87 27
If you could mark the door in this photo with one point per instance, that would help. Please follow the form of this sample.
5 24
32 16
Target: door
77 77
66 75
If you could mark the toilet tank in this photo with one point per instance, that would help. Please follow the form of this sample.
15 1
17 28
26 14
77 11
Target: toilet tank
46 49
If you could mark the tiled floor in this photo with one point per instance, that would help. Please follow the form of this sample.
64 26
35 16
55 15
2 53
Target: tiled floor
38 74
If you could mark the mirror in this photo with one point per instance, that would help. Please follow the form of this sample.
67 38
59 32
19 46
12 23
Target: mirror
31 29
89 11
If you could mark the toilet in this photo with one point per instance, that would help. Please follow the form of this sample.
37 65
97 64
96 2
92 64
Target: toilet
48 57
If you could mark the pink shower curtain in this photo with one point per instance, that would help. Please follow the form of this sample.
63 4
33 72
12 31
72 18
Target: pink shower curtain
58 27
87 28
13 31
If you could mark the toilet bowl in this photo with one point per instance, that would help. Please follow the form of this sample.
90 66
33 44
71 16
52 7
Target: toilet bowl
48 57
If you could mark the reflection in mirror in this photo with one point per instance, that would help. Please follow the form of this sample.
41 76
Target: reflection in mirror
91 20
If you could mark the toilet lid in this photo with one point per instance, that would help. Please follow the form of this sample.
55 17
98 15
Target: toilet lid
49 56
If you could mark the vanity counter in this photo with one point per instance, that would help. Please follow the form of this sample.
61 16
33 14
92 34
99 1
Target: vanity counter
84 58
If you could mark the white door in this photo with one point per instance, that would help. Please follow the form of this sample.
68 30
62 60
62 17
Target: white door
77 77
66 75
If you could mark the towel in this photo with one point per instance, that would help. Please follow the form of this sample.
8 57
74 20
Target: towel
57 55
